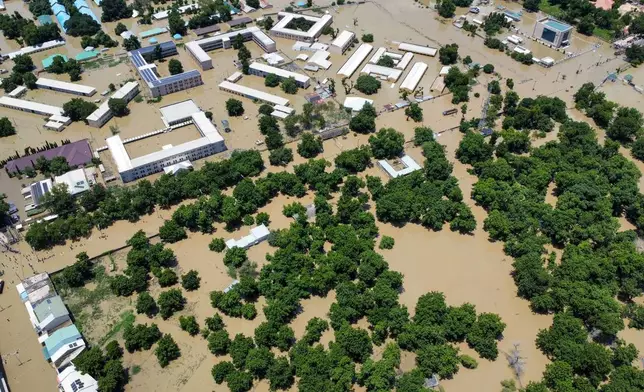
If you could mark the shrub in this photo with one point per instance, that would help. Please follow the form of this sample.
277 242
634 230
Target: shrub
191 281
167 350
387 242
169 302
145 304
189 324
249 312
217 245
167 278
468 362
488 68
368 38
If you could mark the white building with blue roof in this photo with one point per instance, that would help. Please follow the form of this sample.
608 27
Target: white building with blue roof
157 85
552 32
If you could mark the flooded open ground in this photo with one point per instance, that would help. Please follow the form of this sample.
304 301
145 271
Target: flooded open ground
465 268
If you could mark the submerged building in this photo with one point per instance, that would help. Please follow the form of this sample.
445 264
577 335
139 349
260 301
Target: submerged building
174 116
166 85
553 32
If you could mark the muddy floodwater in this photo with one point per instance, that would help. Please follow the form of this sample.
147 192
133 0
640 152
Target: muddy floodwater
465 268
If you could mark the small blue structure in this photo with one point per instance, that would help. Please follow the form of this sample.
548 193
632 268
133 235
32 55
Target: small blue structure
154 40
84 9
301 4
45 20
177 36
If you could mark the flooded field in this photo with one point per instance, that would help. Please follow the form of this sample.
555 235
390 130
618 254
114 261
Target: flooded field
466 268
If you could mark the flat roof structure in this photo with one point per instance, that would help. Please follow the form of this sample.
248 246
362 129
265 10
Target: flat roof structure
65 87
285 18
207 30
235 77
414 76
60 338
71 380
75 180
391 74
36 48
342 42
356 103
424 50
352 64
376 56
319 59
409 166
30 106
53 307
101 115
239 21
264 70
40 189
86 55
164 14
153 32
49 60
18 91
405 60
210 142
199 47
177 167
552 31
76 153
178 112
256 235
251 93
165 85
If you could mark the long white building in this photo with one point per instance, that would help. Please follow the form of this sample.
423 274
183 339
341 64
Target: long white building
103 114
413 77
36 48
251 93
198 48
391 74
30 106
342 42
264 70
283 30
425 50
352 64
65 87
211 142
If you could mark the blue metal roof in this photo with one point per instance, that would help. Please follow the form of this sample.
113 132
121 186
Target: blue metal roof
88 12
558 26
181 76
62 18
150 49
58 8
60 338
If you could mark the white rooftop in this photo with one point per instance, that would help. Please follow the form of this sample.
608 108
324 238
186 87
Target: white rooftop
75 180
35 107
254 94
349 68
279 72
356 103
71 380
86 90
319 58
342 39
179 111
407 161
425 50
414 76
257 235
177 167
390 73
314 31
37 48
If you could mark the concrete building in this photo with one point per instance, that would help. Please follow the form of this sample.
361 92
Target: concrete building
253 94
413 77
148 72
182 113
36 48
65 87
352 64
553 32
408 163
164 14
356 103
320 59
390 74
31 106
342 42
405 60
71 380
198 48
257 235
263 70
63 345
418 49
75 180
50 313
283 29
103 114
76 153
17 92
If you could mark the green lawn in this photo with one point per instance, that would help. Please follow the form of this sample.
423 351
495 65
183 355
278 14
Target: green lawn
606 35
550 9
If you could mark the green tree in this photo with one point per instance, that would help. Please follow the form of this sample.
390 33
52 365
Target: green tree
271 80
176 23
6 127
189 324
368 38
355 342
448 54
309 146
414 111
219 342
171 232
387 143
626 126
531 5
280 374
113 350
191 280
169 302
289 85
118 107
114 10
167 350
78 109
367 84
473 149
217 245
438 359
446 9
235 257
387 242
234 107
175 67
281 156
145 304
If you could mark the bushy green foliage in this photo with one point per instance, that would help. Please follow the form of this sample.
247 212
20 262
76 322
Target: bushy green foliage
169 302
189 324
145 304
140 337
167 350
191 280
367 84
217 245
387 242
